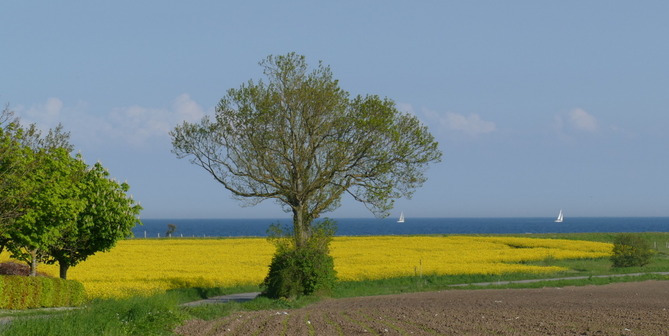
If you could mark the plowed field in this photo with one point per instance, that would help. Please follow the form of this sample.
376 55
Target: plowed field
618 309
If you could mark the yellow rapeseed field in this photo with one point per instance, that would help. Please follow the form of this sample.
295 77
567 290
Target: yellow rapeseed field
139 266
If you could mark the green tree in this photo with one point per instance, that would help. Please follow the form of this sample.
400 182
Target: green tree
37 189
298 138
16 162
52 206
170 230
109 215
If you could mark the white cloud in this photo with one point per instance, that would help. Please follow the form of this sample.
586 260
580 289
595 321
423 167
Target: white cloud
48 113
576 120
187 109
583 121
53 107
471 124
406 108
134 125
137 125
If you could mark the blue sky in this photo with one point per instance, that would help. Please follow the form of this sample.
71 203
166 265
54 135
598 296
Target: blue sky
537 105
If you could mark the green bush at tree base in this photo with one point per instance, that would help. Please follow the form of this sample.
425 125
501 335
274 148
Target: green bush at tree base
301 271
630 250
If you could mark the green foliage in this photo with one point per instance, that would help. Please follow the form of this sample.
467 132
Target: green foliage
156 315
53 207
630 250
21 292
301 270
42 177
14 159
23 153
143 316
171 228
109 215
298 138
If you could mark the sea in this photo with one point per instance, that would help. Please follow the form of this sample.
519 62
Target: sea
256 227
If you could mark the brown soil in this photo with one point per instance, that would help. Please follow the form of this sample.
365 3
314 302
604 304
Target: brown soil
618 309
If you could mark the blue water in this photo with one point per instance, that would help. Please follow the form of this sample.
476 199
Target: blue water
389 226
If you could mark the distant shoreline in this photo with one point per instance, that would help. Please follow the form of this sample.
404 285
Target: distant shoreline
257 227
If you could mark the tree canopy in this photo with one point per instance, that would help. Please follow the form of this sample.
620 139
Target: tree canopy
28 160
298 138
108 216
53 206
13 166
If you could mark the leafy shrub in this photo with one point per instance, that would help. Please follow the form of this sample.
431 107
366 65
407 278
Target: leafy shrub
304 270
46 296
630 250
301 271
76 293
21 292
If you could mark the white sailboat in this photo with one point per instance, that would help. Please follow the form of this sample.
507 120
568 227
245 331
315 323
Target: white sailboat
560 217
401 219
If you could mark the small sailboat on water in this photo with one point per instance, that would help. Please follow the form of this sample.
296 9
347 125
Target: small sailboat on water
401 219
560 217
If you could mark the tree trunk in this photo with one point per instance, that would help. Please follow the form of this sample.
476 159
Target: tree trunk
301 225
63 269
298 232
33 263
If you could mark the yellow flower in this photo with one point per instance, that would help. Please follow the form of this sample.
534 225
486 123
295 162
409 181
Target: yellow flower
144 266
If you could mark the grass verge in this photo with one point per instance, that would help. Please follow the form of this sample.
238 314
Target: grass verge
155 315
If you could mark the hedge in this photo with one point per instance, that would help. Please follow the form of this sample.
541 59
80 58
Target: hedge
22 292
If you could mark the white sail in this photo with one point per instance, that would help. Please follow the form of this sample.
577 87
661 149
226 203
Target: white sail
401 220
560 217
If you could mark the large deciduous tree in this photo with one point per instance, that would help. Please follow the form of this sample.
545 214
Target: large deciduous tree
18 160
37 175
108 216
53 207
298 138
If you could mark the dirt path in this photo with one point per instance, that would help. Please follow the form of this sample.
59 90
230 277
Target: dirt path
638 308
241 297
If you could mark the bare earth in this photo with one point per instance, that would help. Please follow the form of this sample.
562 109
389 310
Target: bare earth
635 308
